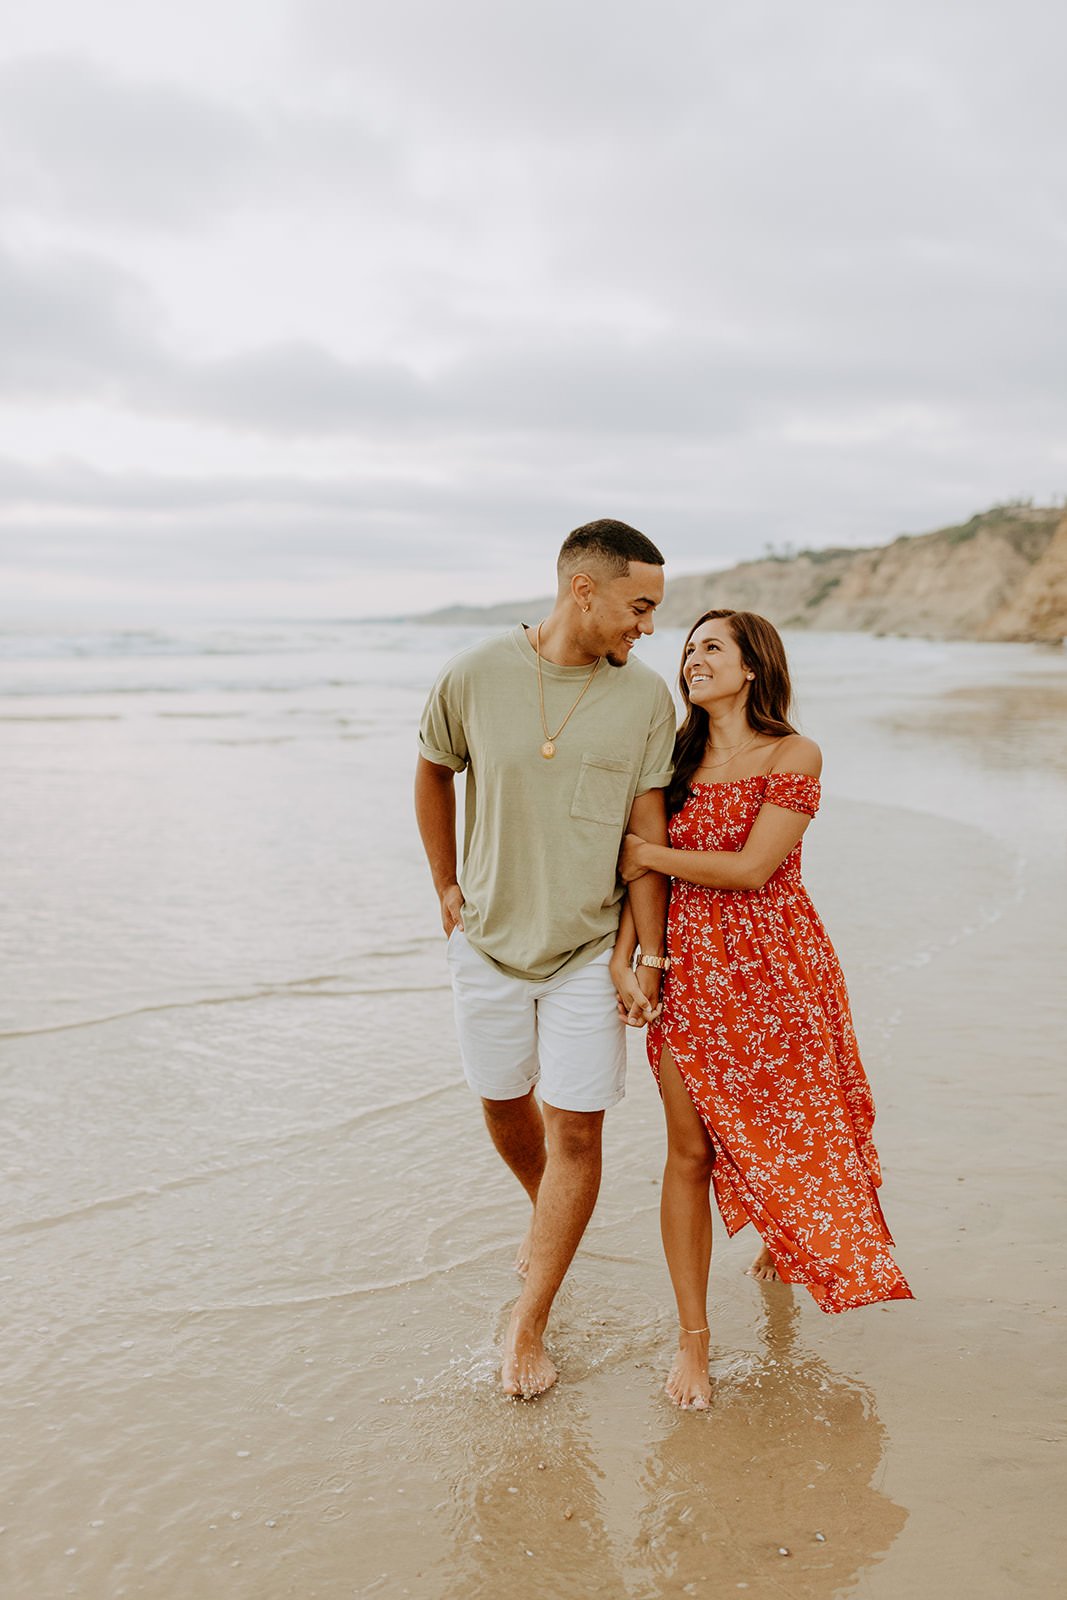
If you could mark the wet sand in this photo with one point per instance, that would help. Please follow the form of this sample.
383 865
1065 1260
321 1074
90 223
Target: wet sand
255 1295
901 1450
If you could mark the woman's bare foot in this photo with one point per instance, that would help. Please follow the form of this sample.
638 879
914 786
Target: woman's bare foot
526 1370
763 1268
688 1384
522 1254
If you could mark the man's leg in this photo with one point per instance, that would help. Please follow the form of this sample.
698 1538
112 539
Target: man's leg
582 1048
518 1134
565 1200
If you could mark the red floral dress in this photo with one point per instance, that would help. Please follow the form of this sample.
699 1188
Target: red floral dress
756 1017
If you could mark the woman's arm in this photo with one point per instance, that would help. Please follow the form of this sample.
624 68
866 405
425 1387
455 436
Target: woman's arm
775 832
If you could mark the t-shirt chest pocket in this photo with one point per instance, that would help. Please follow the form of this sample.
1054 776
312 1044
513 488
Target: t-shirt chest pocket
602 793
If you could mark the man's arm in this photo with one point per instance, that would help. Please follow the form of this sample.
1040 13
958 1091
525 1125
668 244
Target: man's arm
435 813
633 1003
649 893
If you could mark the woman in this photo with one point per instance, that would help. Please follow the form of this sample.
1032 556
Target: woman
754 1049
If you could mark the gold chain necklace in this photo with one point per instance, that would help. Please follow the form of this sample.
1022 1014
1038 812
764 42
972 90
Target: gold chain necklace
712 766
548 749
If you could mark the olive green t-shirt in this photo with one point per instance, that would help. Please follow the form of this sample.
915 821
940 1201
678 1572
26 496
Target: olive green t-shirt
542 838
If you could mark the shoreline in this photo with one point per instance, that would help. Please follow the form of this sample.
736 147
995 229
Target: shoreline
271 1369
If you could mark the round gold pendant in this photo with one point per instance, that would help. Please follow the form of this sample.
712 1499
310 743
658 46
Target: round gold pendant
548 749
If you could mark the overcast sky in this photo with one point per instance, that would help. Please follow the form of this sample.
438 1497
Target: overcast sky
324 307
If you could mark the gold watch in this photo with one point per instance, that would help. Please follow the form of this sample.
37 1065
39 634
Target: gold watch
662 963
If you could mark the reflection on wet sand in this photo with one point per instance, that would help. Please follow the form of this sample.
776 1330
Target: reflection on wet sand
1016 725
530 1516
771 1490
566 1498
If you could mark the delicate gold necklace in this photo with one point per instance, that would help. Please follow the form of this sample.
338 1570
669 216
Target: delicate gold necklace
548 749
711 766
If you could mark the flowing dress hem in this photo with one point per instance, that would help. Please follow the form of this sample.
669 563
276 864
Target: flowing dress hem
832 1295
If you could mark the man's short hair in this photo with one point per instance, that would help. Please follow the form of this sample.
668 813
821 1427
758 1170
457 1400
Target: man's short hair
608 545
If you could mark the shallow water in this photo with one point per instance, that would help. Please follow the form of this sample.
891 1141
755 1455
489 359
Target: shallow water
256 1245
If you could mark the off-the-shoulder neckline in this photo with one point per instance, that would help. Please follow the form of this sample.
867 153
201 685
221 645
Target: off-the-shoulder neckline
722 783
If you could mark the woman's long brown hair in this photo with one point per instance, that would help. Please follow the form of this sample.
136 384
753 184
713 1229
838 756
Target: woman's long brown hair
770 695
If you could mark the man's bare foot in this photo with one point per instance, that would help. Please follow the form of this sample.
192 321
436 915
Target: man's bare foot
526 1369
688 1383
763 1268
522 1254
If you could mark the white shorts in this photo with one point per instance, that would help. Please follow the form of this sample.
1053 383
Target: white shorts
564 1034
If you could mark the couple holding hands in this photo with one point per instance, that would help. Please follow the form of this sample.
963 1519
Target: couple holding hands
618 871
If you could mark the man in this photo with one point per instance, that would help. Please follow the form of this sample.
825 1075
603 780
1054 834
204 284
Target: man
566 744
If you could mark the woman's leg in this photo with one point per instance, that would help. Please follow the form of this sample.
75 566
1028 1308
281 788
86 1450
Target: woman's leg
685 1221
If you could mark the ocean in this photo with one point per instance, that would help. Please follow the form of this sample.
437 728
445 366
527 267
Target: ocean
256 1245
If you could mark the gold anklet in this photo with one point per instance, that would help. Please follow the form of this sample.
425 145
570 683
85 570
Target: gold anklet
694 1330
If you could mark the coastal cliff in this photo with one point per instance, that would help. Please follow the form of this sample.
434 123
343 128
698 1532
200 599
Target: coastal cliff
1002 575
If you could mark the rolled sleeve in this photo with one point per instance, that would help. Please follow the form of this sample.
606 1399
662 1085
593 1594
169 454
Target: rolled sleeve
441 758
441 736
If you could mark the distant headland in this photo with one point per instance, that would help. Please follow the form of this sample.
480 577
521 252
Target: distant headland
1002 575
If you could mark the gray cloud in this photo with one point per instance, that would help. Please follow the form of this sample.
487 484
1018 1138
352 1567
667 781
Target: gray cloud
79 139
736 274
81 142
75 327
71 325
78 328
478 67
64 520
75 485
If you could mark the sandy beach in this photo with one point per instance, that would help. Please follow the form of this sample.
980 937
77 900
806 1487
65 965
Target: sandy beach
256 1246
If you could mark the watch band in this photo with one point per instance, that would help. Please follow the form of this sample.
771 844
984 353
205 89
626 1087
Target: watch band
663 963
